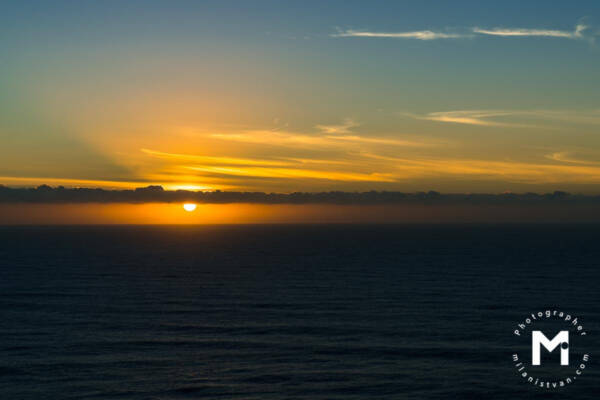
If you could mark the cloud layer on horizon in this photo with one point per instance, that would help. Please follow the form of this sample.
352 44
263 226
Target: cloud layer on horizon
156 194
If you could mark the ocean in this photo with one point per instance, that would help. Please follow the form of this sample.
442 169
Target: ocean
288 311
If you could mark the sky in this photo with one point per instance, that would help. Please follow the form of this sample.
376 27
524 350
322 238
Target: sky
461 96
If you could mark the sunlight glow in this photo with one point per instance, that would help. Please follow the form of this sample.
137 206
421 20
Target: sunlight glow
203 188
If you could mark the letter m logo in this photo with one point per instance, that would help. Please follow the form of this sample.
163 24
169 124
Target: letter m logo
538 339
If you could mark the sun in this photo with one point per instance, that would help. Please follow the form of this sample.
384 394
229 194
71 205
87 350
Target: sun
189 207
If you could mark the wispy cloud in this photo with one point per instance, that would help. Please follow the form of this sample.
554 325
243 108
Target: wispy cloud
272 138
209 160
505 170
297 173
419 35
577 33
468 117
382 141
510 118
569 158
72 182
344 127
327 141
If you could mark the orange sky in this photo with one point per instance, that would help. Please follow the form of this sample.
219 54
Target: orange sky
154 213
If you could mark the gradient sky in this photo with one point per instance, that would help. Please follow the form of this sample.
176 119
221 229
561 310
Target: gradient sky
461 96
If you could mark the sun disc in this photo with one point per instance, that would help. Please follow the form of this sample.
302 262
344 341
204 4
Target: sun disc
189 207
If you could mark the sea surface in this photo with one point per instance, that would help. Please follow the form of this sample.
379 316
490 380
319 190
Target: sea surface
287 311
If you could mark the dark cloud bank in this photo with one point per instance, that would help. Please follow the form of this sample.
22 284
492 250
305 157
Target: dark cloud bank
154 194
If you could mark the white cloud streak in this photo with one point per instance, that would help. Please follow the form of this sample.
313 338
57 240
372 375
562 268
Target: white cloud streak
577 33
522 32
468 117
419 35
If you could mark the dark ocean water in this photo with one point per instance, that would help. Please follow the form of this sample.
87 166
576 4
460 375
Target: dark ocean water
287 312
